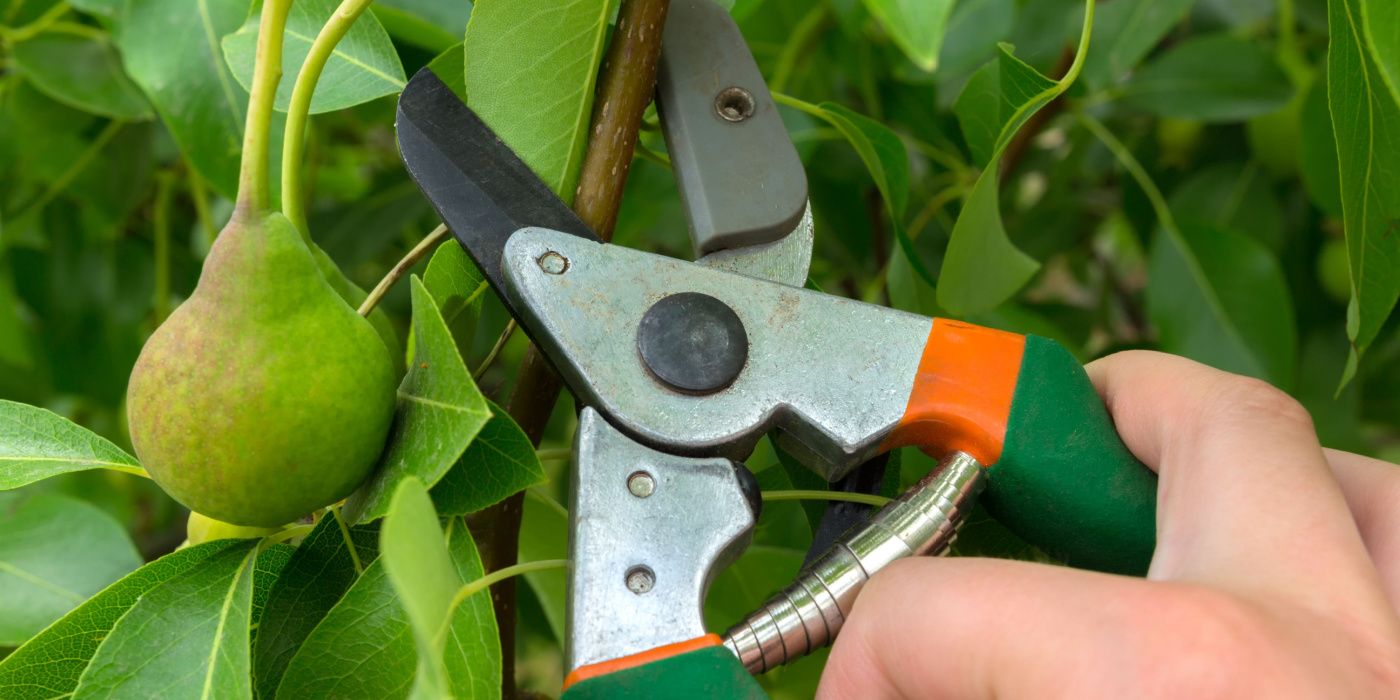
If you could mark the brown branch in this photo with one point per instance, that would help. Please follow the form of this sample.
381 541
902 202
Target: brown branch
625 87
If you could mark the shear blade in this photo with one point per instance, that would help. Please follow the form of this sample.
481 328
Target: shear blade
480 188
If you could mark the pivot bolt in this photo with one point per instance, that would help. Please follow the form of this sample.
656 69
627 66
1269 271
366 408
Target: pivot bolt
553 263
693 343
734 104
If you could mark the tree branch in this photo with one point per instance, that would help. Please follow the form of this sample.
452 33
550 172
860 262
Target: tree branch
625 88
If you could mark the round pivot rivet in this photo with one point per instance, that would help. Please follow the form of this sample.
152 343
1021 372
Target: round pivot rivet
640 580
693 343
641 484
734 104
553 263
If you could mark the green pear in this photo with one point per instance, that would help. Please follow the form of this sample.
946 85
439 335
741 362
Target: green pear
264 396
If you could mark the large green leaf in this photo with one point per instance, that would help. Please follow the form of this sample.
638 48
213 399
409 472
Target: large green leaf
415 556
1127 31
36 444
500 462
553 47
917 26
982 267
1382 21
1317 152
1219 297
1211 78
48 666
268 568
186 638
362 648
434 25
440 410
55 552
1366 121
83 71
319 573
362 67
171 49
454 281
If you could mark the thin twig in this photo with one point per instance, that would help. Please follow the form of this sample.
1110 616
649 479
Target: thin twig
802 495
495 351
402 267
554 454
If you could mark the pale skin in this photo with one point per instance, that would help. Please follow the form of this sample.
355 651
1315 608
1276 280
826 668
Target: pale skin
1277 572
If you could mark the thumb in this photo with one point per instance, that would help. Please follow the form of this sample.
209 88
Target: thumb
972 628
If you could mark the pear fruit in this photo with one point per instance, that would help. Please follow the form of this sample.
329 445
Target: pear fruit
264 396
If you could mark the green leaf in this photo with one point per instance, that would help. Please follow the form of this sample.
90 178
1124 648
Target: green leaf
1366 120
171 49
978 109
1317 152
1219 297
271 561
1127 31
36 444
544 534
554 47
982 267
1211 78
917 26
83 71
454 281
318 574
1232 196
48 666
415 556
440 410
102 8
363 66
56 551
500 462
185 638
1382 21
450 68
362 648
430 24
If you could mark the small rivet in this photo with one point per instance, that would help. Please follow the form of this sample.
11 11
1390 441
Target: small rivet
734 104
640 580
553 263
641 484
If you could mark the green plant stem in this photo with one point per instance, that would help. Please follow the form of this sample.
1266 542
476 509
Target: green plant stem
402 267
199 194
555 454
495 350
290 533
299 111
38 26
134 471
165 186
349 541
647 154
254 191
802 495
481 584
1130 163
78 166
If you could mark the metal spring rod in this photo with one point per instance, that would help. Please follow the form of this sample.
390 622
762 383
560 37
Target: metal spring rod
806 615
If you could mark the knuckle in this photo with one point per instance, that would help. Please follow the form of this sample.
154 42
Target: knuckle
1238 398
1198 641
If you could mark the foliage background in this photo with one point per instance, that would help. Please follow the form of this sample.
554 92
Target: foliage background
107 206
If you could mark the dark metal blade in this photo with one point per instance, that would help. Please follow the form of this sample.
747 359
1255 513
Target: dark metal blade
482 191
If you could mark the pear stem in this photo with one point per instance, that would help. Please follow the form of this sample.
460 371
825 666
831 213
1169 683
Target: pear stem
254 191
401 268
299 112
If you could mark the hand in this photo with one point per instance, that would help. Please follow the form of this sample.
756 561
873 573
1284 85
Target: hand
1276 574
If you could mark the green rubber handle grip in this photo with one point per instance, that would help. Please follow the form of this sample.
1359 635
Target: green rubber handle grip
1065 482
712 672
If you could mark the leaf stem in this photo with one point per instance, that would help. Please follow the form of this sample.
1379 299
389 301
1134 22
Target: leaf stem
802 35
290 533
481 584
41 23
402 267
554 454
805 495
299 111
495 351
349 541
254 192
1130 163
79 165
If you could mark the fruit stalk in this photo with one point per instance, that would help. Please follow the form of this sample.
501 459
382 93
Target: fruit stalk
254 192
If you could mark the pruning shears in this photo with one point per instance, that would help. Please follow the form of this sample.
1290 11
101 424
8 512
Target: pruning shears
683 366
